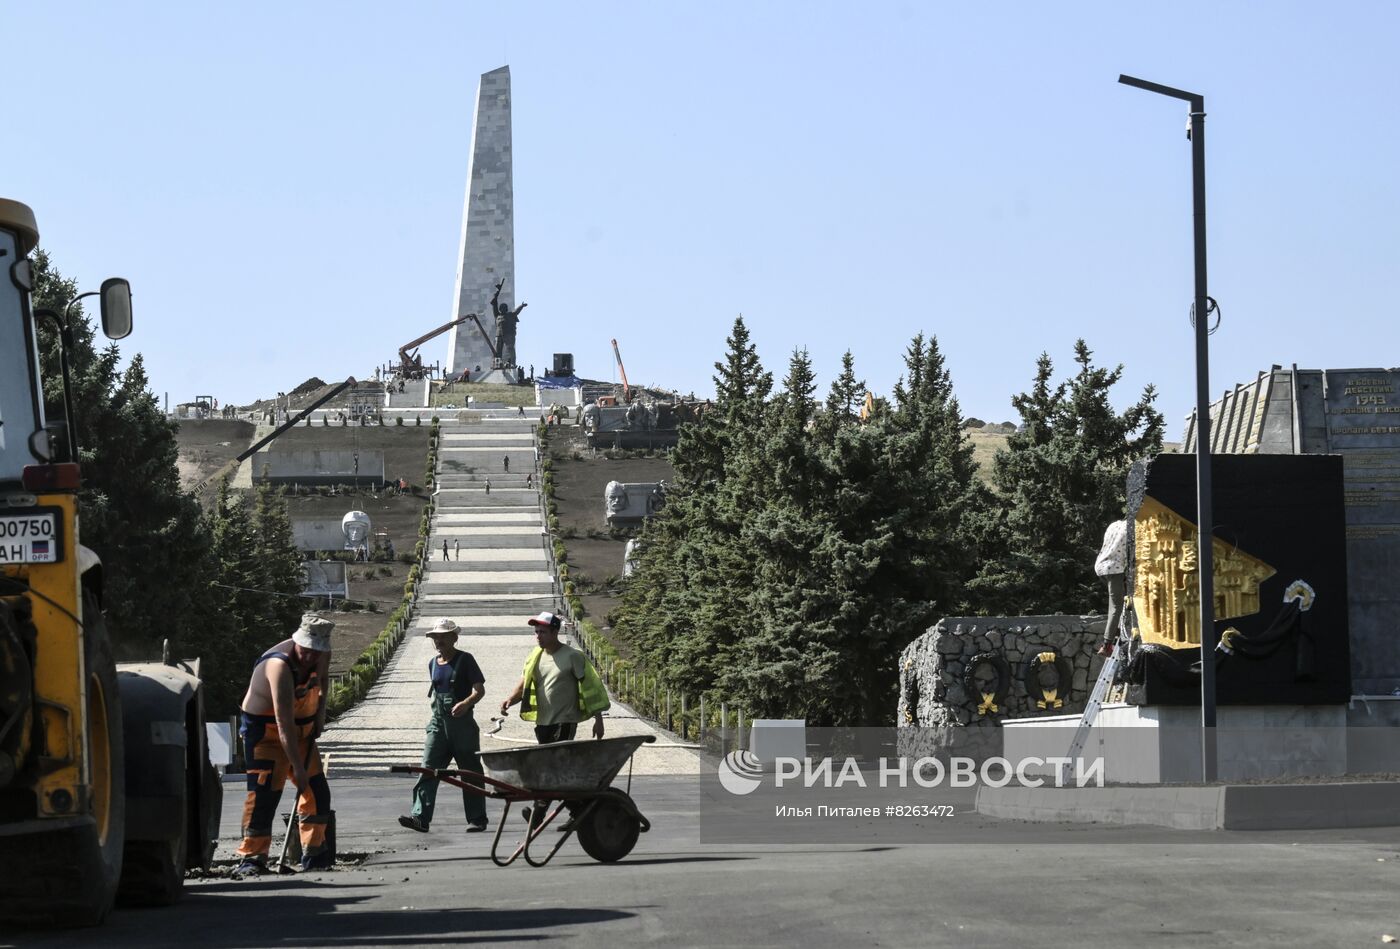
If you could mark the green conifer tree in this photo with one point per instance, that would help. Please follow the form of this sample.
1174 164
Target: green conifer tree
1059 482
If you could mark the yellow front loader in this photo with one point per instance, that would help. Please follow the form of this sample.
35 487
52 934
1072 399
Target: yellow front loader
105 785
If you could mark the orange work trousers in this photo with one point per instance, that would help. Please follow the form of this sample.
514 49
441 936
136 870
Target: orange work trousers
268 773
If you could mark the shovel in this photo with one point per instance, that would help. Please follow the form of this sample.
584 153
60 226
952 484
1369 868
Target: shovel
293 824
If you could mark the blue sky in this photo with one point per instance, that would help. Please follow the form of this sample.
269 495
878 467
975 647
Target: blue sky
282 183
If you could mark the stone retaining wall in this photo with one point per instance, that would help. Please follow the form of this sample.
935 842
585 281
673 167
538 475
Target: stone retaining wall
936 711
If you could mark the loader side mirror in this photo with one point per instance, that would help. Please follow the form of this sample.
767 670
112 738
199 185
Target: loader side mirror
41 443
116 308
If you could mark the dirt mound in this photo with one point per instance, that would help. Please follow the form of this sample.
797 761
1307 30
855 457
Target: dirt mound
310 385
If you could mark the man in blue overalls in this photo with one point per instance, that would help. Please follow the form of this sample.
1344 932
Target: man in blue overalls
456 686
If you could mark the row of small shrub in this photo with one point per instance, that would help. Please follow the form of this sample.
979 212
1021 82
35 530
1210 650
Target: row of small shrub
430 476
551 507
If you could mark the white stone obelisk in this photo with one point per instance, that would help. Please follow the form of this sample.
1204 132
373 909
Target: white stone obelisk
488 227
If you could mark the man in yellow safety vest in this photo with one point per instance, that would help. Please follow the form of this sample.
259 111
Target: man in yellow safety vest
558 689
559 686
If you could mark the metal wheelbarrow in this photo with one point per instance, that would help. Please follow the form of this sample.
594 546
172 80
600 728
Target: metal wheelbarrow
608 823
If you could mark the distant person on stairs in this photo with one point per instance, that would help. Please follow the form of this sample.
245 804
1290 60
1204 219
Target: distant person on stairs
456 686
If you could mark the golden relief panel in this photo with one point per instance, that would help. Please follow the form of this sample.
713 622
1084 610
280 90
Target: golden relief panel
1166 595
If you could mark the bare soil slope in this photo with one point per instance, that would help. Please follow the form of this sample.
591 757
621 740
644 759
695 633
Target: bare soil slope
580 480
379 583
206 445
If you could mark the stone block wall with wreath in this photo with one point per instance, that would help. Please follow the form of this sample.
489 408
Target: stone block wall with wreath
970 672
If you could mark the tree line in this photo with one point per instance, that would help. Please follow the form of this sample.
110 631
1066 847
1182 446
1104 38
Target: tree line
222 585
806 541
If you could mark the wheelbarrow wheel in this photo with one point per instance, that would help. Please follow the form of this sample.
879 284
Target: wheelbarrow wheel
610 832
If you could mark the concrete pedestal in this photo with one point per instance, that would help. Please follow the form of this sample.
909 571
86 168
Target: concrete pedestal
1162 744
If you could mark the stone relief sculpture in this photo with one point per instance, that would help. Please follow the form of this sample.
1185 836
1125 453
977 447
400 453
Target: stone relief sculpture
1166 589
632 503
616 497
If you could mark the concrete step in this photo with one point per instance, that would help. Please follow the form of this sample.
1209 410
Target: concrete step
450 570
528 541
480 518
509 623
453 531
472 559
473 487
488 581
461 498
473 438
522 452
465 479
457 605
485 424
484 517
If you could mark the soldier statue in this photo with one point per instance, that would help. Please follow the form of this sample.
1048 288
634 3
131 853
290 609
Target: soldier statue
506 322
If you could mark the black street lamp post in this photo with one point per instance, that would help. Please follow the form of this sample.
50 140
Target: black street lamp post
1196 131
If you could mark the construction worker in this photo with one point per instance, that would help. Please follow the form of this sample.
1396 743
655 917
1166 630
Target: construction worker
558 688
456 686
1111 565
282 716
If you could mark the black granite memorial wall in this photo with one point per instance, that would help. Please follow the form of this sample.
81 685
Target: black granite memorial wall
1285 512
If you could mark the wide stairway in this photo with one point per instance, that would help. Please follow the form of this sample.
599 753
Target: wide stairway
495 574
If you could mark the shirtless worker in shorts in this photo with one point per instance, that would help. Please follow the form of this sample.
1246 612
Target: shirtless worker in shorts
282 716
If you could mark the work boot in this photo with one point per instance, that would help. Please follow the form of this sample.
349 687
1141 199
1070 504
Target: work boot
414 822
321 861
250 868
476 826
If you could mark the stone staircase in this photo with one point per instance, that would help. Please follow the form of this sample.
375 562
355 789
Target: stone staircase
498 571
413 396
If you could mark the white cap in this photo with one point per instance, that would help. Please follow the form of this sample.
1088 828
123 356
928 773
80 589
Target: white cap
314 632
442 627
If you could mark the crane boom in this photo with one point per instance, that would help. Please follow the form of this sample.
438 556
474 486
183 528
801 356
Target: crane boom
406 360
626 389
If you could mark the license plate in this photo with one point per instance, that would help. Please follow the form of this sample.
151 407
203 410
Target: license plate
31 537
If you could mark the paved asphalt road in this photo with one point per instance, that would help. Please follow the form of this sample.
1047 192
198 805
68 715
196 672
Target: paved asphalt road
1083 887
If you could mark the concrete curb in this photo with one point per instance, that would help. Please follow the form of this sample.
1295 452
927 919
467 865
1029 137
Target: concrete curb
1223 807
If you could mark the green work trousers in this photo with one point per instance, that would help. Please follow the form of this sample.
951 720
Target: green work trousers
448 739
